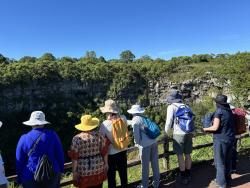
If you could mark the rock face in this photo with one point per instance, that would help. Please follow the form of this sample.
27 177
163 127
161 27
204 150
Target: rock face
48 95
193 89
35 95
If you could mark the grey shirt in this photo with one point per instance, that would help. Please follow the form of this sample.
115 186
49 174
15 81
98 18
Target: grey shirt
140 138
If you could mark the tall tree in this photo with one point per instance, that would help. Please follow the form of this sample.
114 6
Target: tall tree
47 57
3 59
127 56
27 59
90 55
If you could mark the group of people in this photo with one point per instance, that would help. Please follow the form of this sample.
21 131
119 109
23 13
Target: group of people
99 150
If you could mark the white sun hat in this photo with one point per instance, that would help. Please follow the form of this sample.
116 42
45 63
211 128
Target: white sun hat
36 118
136 109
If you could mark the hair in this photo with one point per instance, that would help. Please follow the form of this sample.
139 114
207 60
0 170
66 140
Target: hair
224 106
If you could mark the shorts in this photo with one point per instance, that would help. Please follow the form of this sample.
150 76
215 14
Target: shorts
182 144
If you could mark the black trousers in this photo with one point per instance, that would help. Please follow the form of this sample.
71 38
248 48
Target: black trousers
117 162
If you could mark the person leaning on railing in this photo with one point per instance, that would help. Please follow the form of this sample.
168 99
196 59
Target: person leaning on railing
223 140
117 157
32 147
182 141
148 148
3 179
89 154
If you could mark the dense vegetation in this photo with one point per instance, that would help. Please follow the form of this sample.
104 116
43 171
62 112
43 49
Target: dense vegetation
125 79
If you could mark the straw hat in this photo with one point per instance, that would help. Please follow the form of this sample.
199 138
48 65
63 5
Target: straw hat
110 107
136 109
36 118
87 123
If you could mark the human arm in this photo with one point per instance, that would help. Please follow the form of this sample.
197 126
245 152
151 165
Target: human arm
1 165
21 159
214 127
73 154
136 132
169 118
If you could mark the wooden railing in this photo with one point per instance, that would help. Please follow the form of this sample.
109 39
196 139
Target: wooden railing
166 154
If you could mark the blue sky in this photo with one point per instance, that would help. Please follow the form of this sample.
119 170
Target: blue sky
159 28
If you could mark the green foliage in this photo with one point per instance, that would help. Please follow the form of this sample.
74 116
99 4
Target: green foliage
127 56
47 57
107 79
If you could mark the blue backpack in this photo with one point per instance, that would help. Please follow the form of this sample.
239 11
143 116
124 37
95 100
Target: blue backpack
207 120
150 128
185 118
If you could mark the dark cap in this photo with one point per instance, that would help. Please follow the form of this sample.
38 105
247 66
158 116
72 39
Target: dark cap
221 99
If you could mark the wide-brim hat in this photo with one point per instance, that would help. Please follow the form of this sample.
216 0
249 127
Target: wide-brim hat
174 97
221 99
88 123
110 106
136 109
36 118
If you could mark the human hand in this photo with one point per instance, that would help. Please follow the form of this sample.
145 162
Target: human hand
76 179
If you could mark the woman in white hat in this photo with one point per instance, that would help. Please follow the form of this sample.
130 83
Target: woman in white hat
147 147
88 154
117 158
31 148
3 179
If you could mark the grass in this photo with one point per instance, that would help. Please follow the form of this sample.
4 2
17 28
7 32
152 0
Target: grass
134 173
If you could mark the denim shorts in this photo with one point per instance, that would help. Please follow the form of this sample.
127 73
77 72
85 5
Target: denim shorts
182 143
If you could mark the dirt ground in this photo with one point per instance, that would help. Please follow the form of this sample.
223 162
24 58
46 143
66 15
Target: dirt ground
205 173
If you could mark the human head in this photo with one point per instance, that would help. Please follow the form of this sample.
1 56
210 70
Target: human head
110 106
136 109
174 97
37 119
88 123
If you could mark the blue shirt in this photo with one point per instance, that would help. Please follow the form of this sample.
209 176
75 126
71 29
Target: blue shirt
226 127
49 143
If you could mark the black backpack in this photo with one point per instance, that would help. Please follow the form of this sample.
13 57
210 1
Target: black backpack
44 170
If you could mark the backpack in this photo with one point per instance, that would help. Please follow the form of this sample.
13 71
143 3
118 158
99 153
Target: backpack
207 120
185 118
44 170
150 128
239 121
120 134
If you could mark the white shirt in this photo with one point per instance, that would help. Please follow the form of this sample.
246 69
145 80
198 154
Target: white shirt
140 137
170 120
106 130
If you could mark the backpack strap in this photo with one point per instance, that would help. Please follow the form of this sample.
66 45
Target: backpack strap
35 144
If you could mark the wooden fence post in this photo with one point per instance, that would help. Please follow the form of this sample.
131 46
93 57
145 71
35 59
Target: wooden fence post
166 151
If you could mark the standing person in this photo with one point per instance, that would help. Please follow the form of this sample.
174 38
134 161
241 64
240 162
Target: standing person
148 148
248 114
31 148
239 116
88 154
3 179
182 140
117 155
223 139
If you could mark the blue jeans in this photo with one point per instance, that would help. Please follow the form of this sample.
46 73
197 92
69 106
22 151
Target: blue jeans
150 154
54 183
222 159
234 155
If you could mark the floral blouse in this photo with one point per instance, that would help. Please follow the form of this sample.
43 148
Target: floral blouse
88 148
